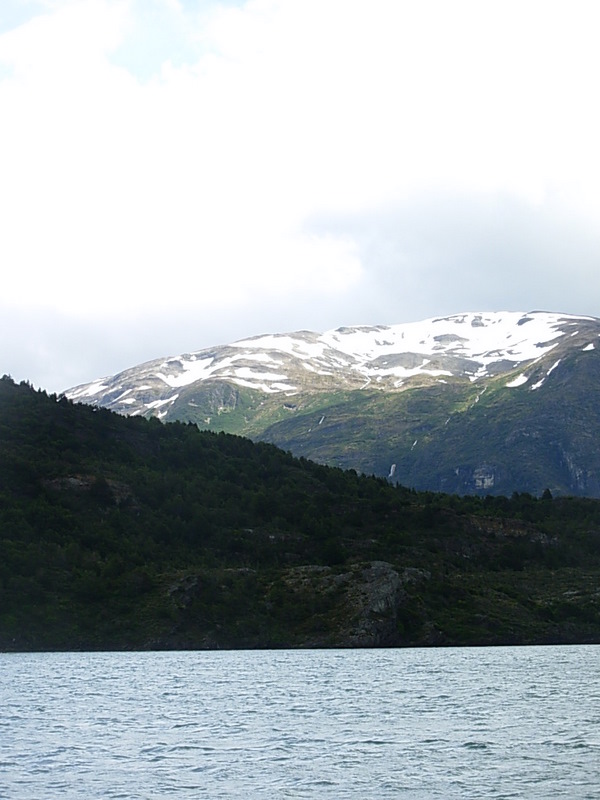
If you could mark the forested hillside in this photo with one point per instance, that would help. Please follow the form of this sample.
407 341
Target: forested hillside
124 533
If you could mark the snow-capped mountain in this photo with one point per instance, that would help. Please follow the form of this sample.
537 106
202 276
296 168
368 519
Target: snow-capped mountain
474 402
473 346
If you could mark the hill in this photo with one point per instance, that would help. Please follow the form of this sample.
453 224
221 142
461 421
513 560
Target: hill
474 403
120 533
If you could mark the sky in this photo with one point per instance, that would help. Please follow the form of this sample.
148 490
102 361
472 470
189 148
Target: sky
178 174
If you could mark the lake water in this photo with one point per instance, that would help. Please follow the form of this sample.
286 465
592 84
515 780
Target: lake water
431 723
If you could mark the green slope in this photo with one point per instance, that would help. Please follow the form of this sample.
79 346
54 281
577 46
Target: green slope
450 436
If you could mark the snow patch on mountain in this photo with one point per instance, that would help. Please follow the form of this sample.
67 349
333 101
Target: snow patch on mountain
161 403
553 367
90 389
192 371
518 381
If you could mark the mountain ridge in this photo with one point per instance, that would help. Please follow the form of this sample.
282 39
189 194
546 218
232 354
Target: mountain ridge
353 355
384 399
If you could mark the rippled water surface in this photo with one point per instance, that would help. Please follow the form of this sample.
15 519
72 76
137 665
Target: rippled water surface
473 723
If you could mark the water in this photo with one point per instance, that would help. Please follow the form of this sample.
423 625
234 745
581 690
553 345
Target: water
416 724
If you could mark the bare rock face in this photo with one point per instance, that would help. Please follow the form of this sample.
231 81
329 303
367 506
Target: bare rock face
367 601
374 597
108 489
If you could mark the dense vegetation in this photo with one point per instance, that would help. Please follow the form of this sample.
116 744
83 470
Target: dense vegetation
128 533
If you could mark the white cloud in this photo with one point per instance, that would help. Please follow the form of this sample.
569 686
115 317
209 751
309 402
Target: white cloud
181 182
174 155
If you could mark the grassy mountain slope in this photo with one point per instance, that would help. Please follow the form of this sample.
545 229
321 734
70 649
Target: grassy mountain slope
456 436
127 533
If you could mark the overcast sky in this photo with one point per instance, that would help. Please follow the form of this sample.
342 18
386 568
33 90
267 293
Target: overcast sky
176 174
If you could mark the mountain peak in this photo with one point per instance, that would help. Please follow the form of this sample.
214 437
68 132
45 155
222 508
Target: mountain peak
471 345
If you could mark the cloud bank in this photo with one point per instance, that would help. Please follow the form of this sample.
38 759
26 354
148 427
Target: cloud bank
180 174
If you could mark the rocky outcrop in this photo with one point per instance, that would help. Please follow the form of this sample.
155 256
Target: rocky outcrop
112 491
365 601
